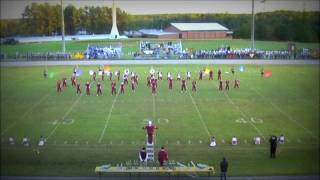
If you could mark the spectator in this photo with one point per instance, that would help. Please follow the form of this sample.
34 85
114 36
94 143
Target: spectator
25 141
42 140
213 142
234 140
281 139
11 141
257 140
273 146
143 155
223 169
106 52
162 156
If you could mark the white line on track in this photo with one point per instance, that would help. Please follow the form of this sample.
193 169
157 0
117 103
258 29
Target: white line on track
168 61
244 115
64 116
199 114
27 112
108 119
285 114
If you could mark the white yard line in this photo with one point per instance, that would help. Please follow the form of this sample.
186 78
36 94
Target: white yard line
154 107
26 112
154 115
285 114
64 116
108 118
199 114
244 115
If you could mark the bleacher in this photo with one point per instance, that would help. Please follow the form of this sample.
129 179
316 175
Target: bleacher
104 51
159 49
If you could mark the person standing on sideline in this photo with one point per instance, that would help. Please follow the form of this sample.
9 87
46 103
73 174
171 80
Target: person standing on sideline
273 146
162 156
143 155
281 139
45 73
223 169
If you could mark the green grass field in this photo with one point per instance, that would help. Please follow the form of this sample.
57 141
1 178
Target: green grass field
132 45
87 131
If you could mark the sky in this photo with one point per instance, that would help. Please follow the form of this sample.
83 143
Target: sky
11 9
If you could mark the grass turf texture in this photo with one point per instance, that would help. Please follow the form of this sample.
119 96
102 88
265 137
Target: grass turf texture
132 45
287 102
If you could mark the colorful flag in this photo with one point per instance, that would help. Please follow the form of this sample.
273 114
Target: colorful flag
79 72
51 74
267 73
206 71
107 68
241 68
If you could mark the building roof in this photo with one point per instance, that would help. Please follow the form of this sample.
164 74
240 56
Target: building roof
155 32
199 27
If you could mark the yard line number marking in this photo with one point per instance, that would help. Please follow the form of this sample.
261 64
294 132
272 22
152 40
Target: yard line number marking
253 120
285 114
243 114
66 121
158 120
64 116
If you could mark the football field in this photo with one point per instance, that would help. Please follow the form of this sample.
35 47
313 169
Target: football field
83 132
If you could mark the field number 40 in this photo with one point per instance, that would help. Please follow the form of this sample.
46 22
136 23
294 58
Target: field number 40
251 120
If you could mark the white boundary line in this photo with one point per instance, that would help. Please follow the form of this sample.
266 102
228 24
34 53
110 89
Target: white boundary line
64 116
108 119
199 114
244 115
248 146
26 112
285 114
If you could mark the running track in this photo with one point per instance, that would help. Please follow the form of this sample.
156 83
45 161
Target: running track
168 61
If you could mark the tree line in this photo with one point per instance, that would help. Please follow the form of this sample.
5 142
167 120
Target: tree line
45 19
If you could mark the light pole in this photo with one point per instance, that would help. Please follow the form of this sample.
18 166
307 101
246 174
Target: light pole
62 30
252 26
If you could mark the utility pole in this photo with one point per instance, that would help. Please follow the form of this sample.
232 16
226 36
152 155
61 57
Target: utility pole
252 27
62 30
